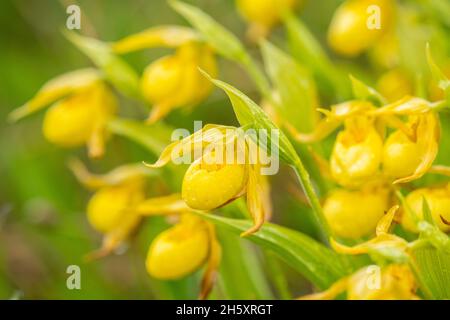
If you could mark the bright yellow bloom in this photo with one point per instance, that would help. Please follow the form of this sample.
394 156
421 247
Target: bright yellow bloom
438 200
84 106
349 33
355 214
394 282
357 153
215 178
180 250
409 152
108 206
394 85
263 15
174 80
204 187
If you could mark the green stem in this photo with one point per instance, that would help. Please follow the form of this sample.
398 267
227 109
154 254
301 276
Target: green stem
308 188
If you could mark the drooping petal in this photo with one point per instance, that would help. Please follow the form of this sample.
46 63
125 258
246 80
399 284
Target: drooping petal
160 36
55 89
406 106
193 143
258 199
172 204
428 136
214 257
114 177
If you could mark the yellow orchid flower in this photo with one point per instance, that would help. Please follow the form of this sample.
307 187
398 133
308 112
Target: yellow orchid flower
394 282
111 210
438 200
184 248
357 151
84 104
217 177
408 154
263 15
394 85
352 30
174 80
355 214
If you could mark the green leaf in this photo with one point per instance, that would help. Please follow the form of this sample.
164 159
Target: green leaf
361 91
249 114
313 260
432 268
438 76
152 137
116 70
295 86
223 41
310 54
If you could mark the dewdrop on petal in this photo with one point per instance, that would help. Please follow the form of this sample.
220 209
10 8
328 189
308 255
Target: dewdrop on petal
349 33
263 15
109 205
179 250
354 214
357 153
438 200
175 80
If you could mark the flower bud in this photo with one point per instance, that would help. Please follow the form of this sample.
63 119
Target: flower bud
263 15
356 154
179 250
211 183
438 201
394 85
355 26
175 80
109 205
80 117
354 214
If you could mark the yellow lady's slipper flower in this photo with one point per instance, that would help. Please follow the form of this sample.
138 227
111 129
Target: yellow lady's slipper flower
409 152
84 106
174 80
263 15
216 178
394 282
357 153
358 24
355 214
438 200
394 85
180 250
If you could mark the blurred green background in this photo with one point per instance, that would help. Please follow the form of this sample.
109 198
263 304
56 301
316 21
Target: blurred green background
43 227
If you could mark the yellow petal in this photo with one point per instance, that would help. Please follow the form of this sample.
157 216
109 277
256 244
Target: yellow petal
161 36
258 199
56 89
114 177
171 204
406 106
214 257
195 143
428 135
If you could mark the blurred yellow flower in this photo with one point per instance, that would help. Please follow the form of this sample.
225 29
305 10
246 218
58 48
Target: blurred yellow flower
174 80
358 24
263 15
84 104
438 200
394 85
355 214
